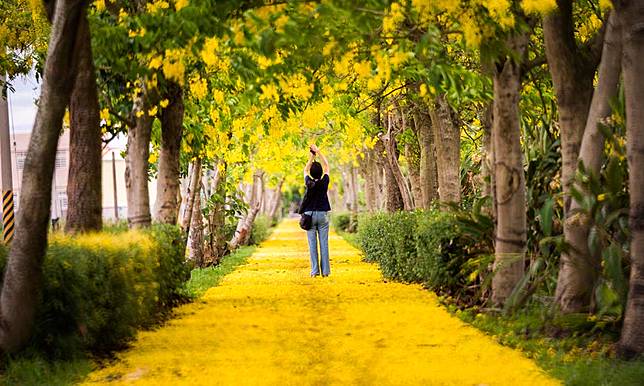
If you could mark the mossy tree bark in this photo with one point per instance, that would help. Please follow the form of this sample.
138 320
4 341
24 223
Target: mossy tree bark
508 169
85 212
572 67
447 139
579 267
136 165
167 202
428 173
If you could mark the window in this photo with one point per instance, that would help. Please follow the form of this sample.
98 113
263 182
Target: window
61 159
62 200
20 159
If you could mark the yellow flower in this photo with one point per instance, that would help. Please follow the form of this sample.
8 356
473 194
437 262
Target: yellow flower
209 52
173 67
122 15
155 62
601 197
198 87
539 6
423 90
179 4
153 111
100 5
269 92
363 69
164 103
156 6
280 23
105 114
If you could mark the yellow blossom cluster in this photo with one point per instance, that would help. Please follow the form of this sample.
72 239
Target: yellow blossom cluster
198 87
296 86
538 6
180 4
270 92
392 19
156 6
315 115
270 323
173 66
209 53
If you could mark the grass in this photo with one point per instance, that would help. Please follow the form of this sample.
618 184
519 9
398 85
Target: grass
577 359
203 278
38 371
35 370
351 238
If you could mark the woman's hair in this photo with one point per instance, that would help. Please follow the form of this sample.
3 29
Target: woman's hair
316 170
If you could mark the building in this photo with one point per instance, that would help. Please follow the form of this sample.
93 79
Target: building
113 176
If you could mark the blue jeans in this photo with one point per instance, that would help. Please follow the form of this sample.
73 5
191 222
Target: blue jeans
319 229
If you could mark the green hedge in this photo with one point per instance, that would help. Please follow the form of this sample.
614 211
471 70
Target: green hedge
341 221
100 288
260 230
441 249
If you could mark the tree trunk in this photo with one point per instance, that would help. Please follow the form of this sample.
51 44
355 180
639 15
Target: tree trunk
428 172
353 186
369 170
572 69
196 231
242 233
22 281
412 155
85 212
193 188
510 178
487 167
579 268
447 139
136 165
631 20
392 158
167 205
391 194
277 201
217 218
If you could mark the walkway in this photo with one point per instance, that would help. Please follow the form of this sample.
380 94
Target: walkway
270 323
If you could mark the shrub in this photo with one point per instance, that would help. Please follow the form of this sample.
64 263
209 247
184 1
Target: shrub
449 251
388 239
341 221
99 288
260 230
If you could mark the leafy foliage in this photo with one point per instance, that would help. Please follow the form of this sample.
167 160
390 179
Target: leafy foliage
341 221
449 251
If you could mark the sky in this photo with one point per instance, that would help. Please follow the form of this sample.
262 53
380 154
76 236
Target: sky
22 107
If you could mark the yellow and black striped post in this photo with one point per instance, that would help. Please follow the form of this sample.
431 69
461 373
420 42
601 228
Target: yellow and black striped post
8 217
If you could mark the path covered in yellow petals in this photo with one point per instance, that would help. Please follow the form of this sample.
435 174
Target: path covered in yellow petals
270 323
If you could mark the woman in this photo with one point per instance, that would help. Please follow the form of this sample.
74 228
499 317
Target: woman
316 204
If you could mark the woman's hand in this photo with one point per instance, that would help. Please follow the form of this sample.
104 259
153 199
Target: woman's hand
314 148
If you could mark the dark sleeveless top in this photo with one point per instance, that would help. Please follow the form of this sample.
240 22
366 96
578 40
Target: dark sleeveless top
316 198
